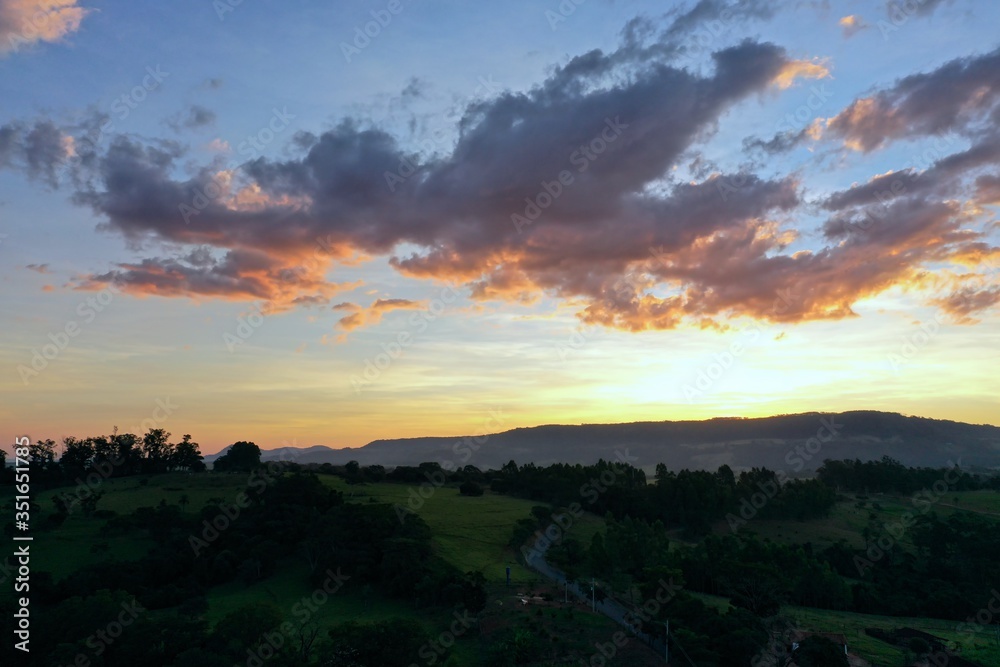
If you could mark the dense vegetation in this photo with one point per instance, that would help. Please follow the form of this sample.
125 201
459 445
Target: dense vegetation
683 531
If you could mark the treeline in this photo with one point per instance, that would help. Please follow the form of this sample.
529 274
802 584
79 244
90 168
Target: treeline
280 517
632 561
689 499
888 475
950 571
916 565
116 455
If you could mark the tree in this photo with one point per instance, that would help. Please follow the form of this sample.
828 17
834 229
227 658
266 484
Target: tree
128 455
42 455
77 456
390 643
470 488
758 594
156 450
242 456
243 628
89 503
187 456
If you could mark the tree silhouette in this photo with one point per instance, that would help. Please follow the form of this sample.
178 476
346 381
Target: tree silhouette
242 456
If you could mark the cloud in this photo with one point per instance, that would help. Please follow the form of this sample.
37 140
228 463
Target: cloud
800 69
239 275
196 117
38 268
852 25
566 191
968 301
40 149
899 8
361 317
960 96
26 22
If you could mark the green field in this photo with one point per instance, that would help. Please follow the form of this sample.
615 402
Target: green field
983 649
78 541
472 533
847 520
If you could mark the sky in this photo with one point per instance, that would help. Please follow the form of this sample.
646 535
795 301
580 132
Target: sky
305 223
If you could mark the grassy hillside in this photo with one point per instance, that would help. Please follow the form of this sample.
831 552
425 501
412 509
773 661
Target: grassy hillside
472 534
849 517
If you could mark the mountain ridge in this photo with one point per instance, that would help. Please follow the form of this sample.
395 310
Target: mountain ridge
793 442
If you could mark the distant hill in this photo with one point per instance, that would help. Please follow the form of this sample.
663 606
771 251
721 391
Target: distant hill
780 442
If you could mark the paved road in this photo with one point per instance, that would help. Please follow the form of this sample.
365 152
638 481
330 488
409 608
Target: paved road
609 606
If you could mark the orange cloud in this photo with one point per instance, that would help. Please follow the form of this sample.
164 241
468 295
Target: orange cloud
26 22
800 69
361 317
852 25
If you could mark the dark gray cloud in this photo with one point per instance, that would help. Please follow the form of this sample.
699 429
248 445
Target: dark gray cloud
40 149
960 96
194 118
565 190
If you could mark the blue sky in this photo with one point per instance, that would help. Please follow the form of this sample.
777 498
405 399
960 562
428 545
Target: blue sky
488 101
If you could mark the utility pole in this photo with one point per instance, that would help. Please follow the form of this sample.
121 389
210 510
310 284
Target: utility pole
666 643
593 594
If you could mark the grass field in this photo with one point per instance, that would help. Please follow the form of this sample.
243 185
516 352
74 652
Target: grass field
78 541
983 648
847 520
472 534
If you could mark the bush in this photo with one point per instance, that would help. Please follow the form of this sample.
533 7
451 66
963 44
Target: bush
470 489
